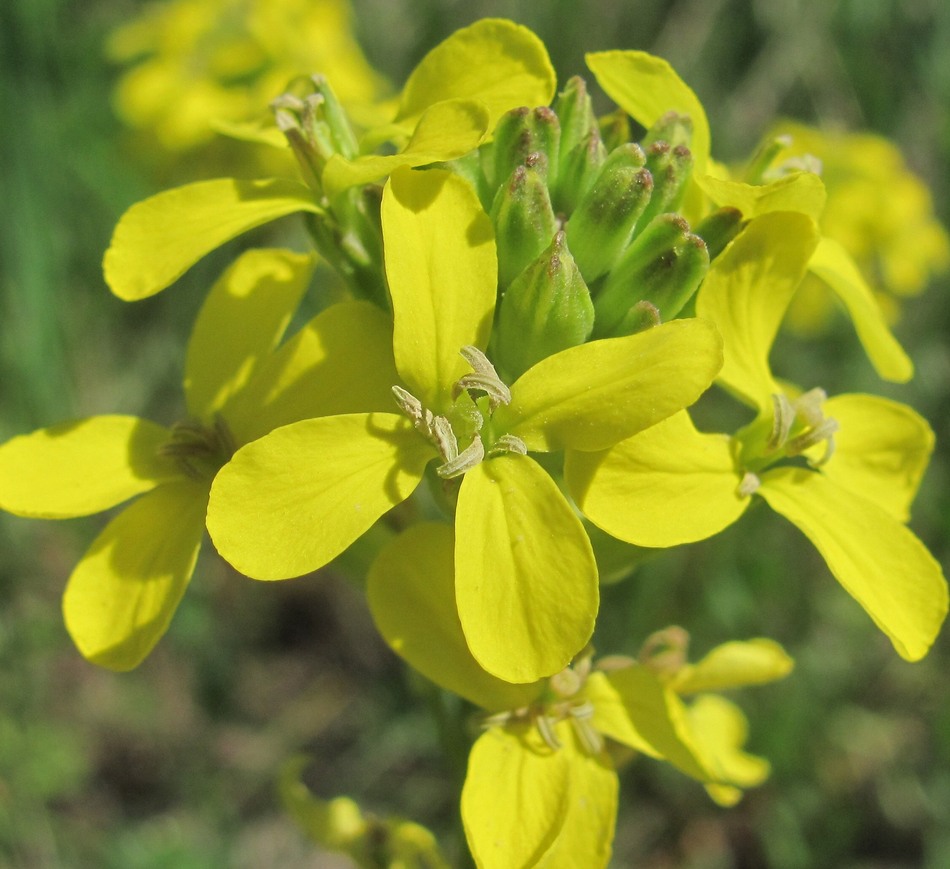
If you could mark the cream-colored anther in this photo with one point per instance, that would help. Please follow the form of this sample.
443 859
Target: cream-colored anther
484 378
590 738
783 416
748 485
508 443
445 438
464 461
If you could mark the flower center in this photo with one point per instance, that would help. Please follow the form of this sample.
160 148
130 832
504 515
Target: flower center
466 420
200 450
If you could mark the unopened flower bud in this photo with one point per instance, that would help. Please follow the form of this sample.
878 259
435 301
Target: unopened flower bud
615 129
719 228
603 223
673 128
664 266
671 167
524 220
547 309
520 133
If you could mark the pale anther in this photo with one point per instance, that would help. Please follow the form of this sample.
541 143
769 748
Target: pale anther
545 725
783 416
445 439
749 484
809 406
566 683
464 461
483 378
590 739
508 443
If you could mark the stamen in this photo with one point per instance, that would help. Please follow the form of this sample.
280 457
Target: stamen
591 741
464 461
809 406
566 683
748 485
508 443
783 416
821 432
545 725
484 379
444 437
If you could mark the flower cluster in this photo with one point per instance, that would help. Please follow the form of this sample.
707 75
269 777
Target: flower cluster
537 301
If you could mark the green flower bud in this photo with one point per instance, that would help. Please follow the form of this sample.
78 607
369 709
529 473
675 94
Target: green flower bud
547 309
578 170
315 125
672 128
615 129
719 228
576 115
523 217
670 166
603 223
519 133
662 267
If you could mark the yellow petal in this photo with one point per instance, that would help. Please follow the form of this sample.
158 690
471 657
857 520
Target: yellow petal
733 665
746 293
800 191
526 579
877 559
668 485
157 240
611 718
658 716
594 395
832 264
445 131
411 594
82 467
646 88
499 63
516 798
240 322
882 449
290 502
719 730
340 362
442 272
121 597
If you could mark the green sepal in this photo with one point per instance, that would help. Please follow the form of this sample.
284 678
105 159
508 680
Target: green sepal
664 266
519 134
524 220
545 310
604 221
671 167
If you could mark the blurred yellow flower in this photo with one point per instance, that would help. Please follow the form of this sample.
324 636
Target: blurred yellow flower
196 63
879 211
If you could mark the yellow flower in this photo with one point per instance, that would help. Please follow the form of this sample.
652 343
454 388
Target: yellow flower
120 598
527 581
541 788
195 63
844 470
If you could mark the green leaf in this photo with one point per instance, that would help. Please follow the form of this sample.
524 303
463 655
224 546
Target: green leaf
411 594
240 323
122 595
157 240
526 579
880 563
666 486
295 499
442 272
82 467
594 395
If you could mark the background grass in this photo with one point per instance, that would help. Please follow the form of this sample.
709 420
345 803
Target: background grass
173 765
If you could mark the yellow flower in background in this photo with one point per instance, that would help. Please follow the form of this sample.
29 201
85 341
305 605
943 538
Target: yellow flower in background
541 787
121 597
194 63
878 210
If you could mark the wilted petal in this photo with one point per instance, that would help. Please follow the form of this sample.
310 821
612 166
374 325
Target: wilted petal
442 272
411 593
340 362
668 485
496 62
733 665
877 559
122 595
82 467
882 449
445 131
157 240
240 323
835 267
594 395
747 292
526 579
290 502
646 88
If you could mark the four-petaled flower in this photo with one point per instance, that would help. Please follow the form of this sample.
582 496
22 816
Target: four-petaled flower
526 579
